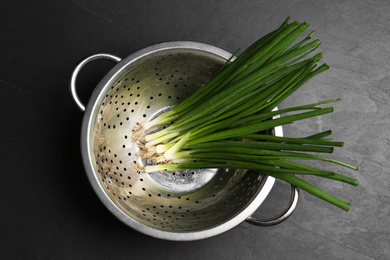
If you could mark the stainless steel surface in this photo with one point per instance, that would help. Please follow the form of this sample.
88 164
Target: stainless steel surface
181 205
280 217
77 69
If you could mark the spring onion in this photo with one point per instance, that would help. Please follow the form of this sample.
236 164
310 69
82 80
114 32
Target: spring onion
223 124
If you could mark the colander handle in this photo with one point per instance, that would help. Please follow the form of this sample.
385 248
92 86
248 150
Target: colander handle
282 216
77 69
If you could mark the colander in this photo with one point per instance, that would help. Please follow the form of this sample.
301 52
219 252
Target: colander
181 205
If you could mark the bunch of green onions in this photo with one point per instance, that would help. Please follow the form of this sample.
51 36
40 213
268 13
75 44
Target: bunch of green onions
222 124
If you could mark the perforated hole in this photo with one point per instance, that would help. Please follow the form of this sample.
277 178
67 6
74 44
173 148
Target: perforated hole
130 100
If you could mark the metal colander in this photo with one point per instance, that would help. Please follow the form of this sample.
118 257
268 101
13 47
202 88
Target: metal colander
179 205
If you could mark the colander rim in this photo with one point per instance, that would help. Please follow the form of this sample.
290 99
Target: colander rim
91 110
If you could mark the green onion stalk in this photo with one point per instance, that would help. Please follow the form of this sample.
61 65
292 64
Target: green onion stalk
224 124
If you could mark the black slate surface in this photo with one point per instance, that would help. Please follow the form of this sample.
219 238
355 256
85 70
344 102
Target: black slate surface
48 208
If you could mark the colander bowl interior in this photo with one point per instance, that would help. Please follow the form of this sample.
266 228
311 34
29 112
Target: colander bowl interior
180 205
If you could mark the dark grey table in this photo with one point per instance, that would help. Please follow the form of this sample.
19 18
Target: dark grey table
48 208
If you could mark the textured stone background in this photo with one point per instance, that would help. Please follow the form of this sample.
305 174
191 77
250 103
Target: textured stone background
48 209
